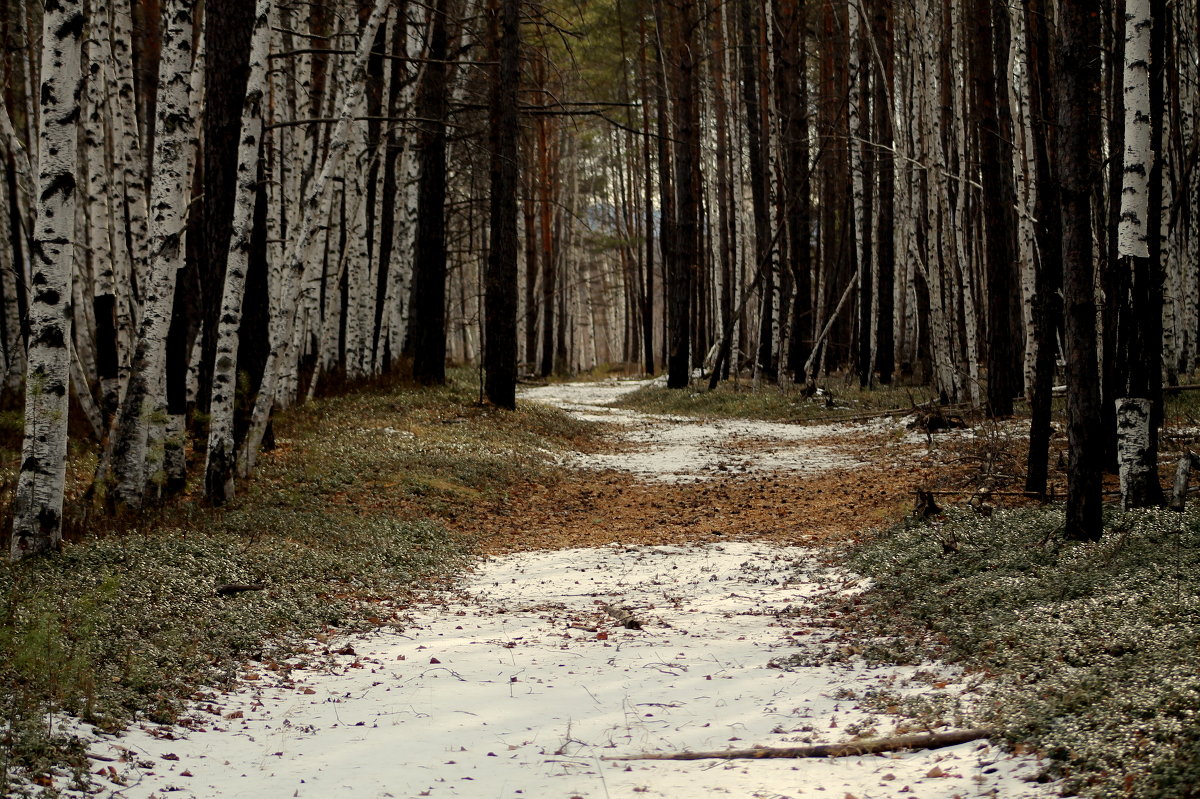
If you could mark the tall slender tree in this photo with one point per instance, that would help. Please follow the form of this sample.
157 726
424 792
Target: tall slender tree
427 336
1076 96
500 353
37 506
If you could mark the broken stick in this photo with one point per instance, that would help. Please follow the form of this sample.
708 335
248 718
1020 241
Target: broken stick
624 617
927 740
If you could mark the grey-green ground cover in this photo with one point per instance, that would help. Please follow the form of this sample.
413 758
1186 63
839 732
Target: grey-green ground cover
349 515
1086 653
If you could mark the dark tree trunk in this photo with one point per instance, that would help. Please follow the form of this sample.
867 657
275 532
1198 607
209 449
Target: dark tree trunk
884 31
427 332
228 26
1047 308
793 91
681 275
500 353
989 67
758 181
668 229
1076 99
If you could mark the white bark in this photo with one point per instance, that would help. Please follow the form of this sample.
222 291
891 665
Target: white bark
1135 190
1025 173
14 346
135 462
37 505
131 157
98 164
298 242
218 468
1133 446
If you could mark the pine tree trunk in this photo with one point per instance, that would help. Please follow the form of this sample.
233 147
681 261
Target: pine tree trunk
1075 94
990 67
38 502
500 355
427 338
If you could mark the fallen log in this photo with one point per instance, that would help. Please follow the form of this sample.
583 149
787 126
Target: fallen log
927 740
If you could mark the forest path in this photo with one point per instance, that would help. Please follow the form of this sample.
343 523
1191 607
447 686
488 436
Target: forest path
597 634
685 480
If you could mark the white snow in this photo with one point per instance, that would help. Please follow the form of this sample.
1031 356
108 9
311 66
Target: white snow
679 449
521 682
520 679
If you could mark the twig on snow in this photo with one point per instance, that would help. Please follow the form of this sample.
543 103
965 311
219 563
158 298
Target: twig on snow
928 740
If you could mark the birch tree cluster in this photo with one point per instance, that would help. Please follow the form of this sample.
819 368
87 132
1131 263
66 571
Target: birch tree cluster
218 210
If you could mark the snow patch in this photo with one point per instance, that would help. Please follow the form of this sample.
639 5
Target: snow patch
517 682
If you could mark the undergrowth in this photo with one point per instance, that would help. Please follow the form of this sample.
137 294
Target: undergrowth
835 399
1090 649
351 509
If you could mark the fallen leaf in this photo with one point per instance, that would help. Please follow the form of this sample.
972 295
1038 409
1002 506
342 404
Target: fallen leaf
434 660
936 771
170 756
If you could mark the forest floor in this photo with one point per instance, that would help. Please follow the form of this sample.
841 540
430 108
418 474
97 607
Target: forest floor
641 604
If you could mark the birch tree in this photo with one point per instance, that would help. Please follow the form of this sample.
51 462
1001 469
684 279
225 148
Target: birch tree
295 260
220 461
1139 326
37 506
173 145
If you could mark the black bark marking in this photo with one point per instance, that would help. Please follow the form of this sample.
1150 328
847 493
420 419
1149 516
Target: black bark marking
72 28
51 336
64 182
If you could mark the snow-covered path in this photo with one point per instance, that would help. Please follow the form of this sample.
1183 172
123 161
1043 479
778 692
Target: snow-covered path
676 449
520 679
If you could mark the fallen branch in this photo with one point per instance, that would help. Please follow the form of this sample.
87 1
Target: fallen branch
928 740
624 617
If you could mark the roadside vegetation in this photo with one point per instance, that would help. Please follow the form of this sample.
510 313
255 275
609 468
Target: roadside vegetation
352 511
831 400
1088 650
1084 653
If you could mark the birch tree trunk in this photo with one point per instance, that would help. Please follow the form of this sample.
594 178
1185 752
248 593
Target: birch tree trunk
219 464
1139 342
144 397
294 261
37 505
